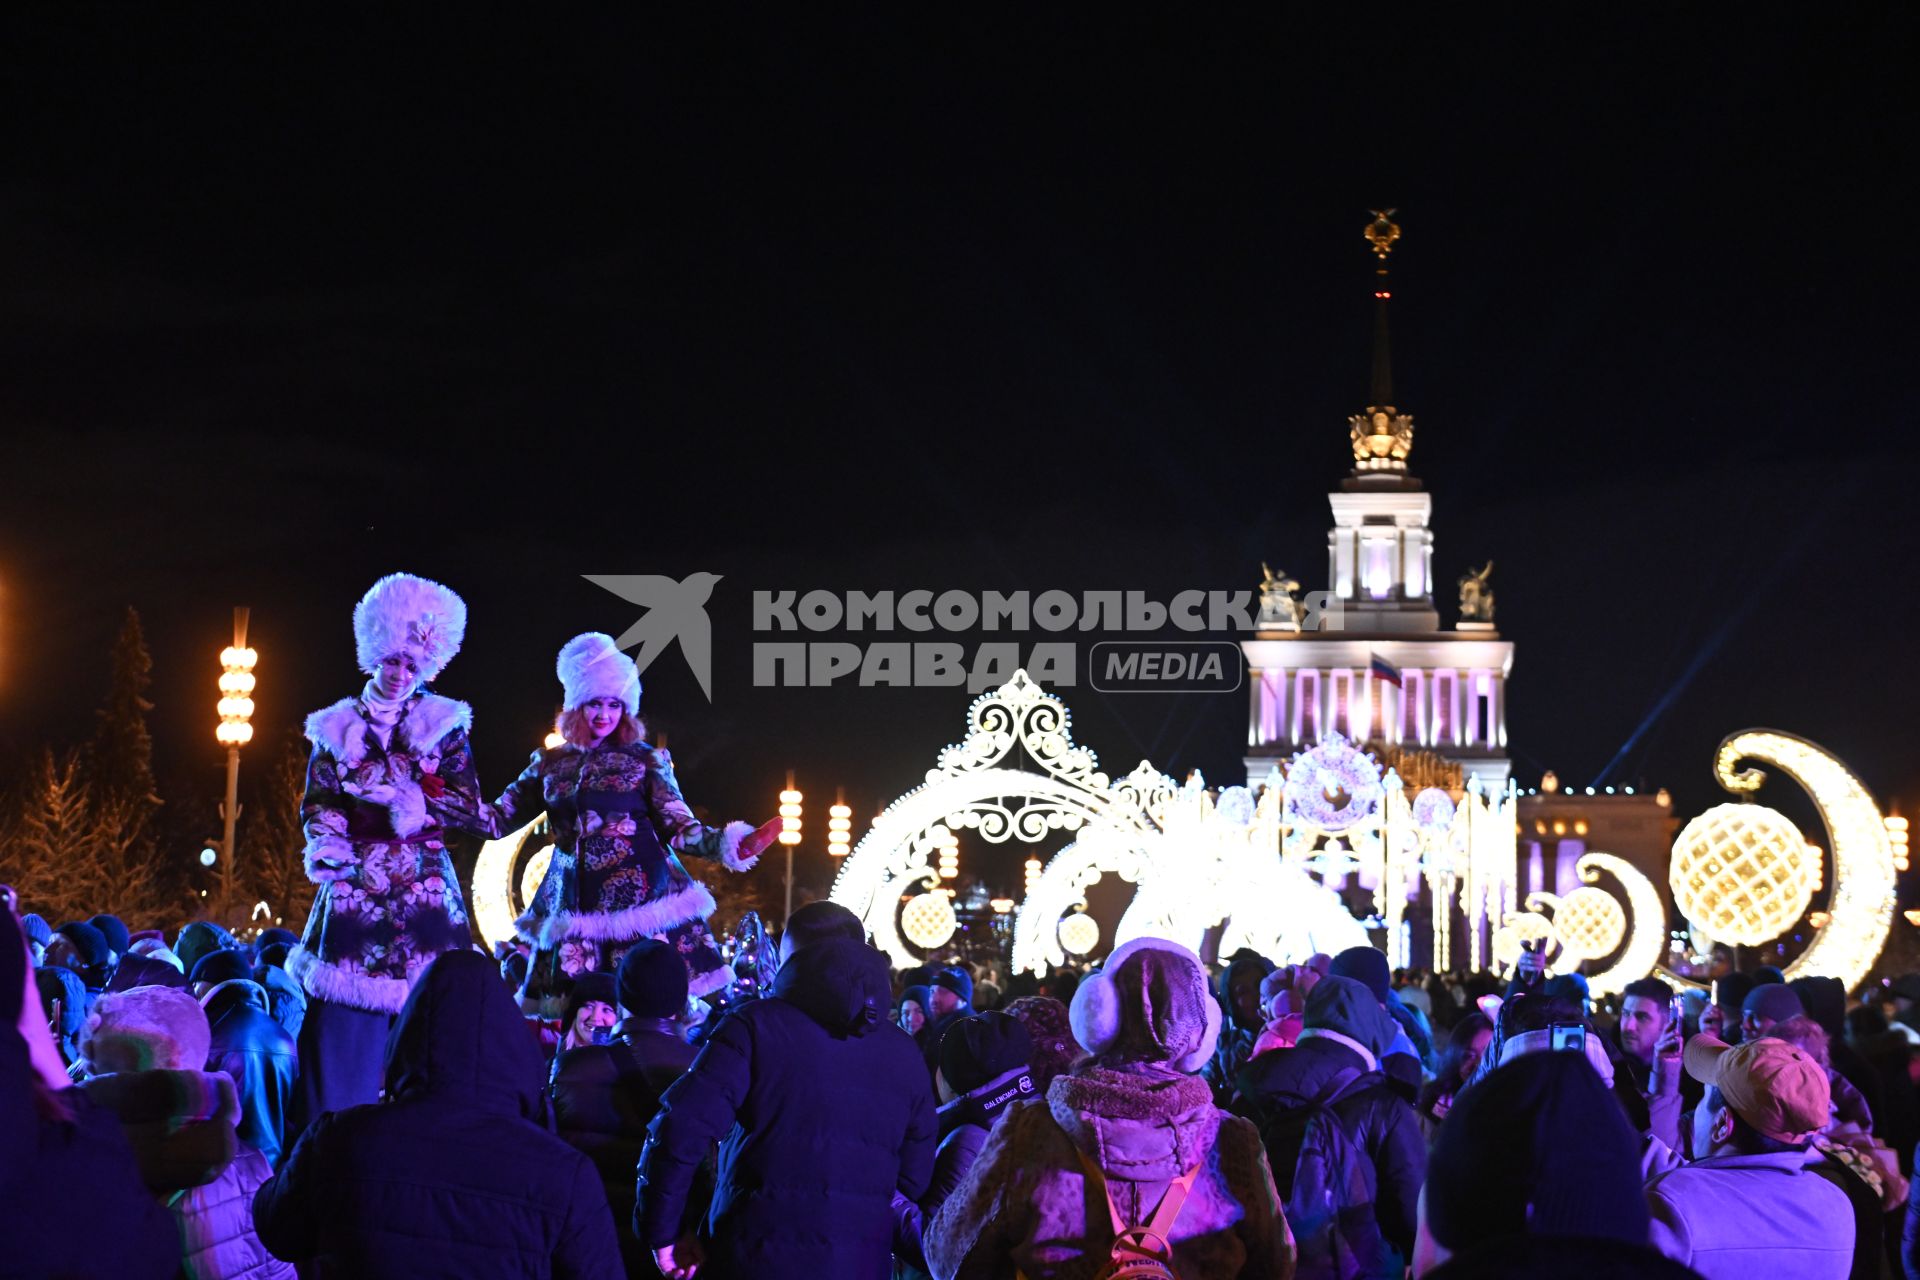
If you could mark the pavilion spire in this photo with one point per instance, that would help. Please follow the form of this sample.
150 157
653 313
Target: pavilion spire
1382 437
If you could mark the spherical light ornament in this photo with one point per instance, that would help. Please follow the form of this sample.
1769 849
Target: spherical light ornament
1433 809
1333 786
1507 939
1743 872
927 921
1590 923
208 856
1079 933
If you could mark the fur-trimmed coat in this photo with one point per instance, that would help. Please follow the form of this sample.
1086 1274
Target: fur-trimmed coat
389 899
619 826
1026 1202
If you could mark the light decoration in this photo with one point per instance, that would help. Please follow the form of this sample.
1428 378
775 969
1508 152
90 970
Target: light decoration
1897 837
1589 922
1079 933
1033 869
553 740
536 871
236 696
1002 906
1334 785
927 920
1742 872
949 846
1912 917
493 902
790 817
839 830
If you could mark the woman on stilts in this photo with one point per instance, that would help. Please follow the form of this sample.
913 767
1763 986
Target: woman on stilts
620 827
390 773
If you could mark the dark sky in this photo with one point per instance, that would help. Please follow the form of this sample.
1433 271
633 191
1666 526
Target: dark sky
1022 300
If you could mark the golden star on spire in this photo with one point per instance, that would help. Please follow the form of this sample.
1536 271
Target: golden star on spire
1382 232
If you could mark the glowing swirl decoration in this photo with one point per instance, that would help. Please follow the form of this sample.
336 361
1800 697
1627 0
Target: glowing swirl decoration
1333 785
1742 871
927 920
1648 936
494 906
1860 906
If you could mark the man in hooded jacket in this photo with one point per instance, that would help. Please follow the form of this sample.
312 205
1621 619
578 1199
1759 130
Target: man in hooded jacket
454 1174
825 1109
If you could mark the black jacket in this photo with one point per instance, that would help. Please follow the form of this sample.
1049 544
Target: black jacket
604 1096
825 1110
455 1174
1375 1116
262 1059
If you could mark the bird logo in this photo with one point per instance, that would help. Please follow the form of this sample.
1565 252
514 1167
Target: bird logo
674 611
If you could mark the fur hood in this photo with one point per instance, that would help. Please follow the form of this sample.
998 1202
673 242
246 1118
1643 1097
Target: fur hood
341 729
1143 1127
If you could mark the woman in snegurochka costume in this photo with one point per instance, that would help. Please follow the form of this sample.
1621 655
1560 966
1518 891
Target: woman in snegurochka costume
390 772
619 828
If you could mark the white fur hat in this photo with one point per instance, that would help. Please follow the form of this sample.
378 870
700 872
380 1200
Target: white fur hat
592 666
1170 1006
404 614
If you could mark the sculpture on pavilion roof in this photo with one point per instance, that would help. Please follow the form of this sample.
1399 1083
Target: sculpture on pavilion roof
1476 595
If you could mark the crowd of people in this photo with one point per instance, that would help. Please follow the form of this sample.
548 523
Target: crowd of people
609 1095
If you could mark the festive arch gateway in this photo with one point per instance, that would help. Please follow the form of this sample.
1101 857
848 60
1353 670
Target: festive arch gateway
1265 869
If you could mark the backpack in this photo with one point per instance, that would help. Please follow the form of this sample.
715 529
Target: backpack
1142 1252
1328 1186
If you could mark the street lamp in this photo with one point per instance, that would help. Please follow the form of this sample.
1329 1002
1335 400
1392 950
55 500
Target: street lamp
839 827
789 836
234 732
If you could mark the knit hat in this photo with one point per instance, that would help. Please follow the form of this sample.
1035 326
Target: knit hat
1150 1003
1051 1032
114 930
1772 1001
956 980
269 937
272 956
652 981
415 616
89 942
199 938
1539 1147
37 930
1772 1085
1367 966
591 666
1825 1000
982 1048
919 995
1347 1008
590 986
217 967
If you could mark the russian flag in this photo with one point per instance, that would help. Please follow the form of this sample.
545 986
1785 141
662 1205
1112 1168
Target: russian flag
1384 670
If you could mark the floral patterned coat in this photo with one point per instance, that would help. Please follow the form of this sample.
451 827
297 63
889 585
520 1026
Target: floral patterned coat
389 899
619 824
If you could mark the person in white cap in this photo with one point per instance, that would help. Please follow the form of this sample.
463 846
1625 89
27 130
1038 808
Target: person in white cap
390 773
619 827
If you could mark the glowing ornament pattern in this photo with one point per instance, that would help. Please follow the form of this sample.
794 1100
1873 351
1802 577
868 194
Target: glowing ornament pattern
1079 933
1590 923
1742 871
927 921
1333 785
1433 809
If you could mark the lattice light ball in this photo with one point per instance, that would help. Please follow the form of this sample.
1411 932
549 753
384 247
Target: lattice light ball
1590 923
1519 928
927 921
1742 872
1079 933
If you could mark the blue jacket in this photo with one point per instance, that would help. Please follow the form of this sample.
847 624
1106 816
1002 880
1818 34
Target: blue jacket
455 1174
825 1110
262 1059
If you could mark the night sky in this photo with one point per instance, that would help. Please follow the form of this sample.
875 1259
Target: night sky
1025 300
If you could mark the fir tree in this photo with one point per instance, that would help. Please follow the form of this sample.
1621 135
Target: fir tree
122 752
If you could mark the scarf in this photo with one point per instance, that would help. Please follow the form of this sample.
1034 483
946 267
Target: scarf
383 714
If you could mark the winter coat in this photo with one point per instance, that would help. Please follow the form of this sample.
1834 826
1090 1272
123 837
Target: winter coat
1373 1114
217 1238
964 1125
1737 1217
1026 1204
389 899
825 1110
604 1096
1238 1036
286 998
144 971
619 826
262 1059
64 985
455 1174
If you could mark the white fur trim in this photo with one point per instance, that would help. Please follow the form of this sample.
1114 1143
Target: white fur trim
340 730
433 718
405 614
1326 1033
1541 1041
707 984
1095 1013
643 921
335 985
408 811
591 666
730 837
328 858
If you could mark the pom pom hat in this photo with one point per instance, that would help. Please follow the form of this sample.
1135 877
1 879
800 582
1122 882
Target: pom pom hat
1149 1003
592 666
404 614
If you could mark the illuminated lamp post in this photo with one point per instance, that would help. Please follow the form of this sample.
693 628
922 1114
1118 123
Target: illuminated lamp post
789 836
839 827
234 732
